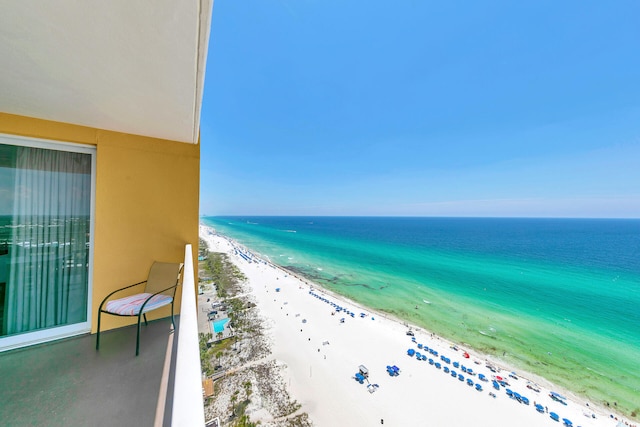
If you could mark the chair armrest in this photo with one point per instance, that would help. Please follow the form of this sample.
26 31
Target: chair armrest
118 290
159 292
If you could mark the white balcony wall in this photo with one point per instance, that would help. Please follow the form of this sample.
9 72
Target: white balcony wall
188 405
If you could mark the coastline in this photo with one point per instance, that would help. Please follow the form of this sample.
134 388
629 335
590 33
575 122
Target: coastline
320 375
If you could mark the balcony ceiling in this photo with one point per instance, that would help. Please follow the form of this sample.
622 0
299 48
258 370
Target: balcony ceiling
134 66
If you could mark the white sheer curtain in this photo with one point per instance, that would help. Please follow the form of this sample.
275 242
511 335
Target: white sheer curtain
48 256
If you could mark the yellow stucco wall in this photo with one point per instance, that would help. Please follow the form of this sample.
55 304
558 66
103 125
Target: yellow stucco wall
147 197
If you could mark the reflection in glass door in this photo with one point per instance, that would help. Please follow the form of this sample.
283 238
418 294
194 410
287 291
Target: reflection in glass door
45 240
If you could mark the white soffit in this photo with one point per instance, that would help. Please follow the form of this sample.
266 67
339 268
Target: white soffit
134 66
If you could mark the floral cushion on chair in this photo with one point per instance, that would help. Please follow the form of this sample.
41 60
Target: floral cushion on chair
130 306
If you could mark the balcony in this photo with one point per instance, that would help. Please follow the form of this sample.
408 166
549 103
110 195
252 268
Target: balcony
68 382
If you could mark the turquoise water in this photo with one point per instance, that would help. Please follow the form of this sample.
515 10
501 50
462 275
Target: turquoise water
560 298
218 325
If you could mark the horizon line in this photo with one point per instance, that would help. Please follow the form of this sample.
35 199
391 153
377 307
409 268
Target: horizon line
412 216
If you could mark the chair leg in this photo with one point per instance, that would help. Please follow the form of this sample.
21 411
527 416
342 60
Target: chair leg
98 333
173 323
138 336
145 319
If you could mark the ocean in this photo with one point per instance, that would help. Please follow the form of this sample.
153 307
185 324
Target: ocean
556 297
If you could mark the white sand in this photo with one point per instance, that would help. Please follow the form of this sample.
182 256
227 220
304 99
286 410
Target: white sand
321 376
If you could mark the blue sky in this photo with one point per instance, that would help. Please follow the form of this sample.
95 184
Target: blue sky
422 108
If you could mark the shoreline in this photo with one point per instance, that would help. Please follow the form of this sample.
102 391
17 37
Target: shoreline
385 335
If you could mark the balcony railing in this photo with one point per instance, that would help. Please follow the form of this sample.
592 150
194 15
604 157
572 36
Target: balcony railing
188 406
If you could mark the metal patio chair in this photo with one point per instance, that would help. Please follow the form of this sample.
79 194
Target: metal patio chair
159 290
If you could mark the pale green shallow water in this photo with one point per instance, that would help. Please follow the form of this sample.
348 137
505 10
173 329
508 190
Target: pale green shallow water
560 299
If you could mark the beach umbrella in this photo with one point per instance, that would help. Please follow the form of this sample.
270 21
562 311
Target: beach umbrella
554 416
540 408
567 422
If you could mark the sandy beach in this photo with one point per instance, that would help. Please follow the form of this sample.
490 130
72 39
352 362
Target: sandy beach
322 354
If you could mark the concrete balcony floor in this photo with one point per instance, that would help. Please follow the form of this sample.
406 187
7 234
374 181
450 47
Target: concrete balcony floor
69 383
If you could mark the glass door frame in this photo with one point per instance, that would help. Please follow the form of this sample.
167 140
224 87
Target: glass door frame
58 332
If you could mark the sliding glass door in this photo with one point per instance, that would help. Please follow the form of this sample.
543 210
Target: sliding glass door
46 199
